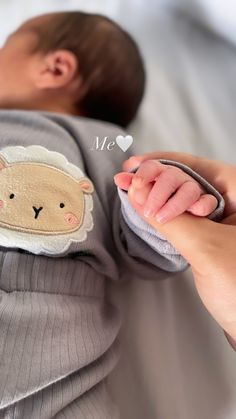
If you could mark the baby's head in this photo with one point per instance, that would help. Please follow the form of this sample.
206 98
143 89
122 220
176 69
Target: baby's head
75 63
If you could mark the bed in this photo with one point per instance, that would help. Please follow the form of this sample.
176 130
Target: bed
175 361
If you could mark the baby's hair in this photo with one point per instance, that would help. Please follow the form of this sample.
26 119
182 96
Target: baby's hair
109 62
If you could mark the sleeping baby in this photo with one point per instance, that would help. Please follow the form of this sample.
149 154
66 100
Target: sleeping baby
65 228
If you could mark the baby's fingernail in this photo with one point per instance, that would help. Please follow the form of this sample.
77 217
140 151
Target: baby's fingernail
161 218
148 213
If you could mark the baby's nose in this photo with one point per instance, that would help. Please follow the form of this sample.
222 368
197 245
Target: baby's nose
37 211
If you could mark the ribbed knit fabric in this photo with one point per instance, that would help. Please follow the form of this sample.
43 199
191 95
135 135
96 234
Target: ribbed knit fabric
58 334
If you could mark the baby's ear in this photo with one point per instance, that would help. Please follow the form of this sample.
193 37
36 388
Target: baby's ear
3 164
86 185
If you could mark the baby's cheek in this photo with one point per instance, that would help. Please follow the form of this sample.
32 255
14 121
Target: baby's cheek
1 204
71 218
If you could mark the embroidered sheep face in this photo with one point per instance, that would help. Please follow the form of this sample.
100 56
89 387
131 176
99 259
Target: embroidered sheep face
39 198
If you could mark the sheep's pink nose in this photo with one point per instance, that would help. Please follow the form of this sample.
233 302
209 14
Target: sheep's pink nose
1 203
71 218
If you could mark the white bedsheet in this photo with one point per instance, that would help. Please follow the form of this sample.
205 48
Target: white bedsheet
176 363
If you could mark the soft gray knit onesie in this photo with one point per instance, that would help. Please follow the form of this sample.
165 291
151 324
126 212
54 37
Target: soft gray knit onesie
63 233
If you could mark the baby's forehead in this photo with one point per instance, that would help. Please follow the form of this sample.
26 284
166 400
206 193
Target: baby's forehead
36 21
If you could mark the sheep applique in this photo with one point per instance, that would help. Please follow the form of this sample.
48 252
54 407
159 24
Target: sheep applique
45 201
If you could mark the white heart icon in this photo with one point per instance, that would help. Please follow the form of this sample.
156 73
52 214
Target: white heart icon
124 142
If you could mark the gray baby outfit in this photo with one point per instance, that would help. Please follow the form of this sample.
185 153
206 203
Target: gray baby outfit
58 333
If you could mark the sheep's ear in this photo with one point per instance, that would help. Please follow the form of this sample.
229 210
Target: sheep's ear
86 185
2 163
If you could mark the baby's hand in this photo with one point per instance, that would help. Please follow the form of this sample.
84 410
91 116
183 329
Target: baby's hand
166 191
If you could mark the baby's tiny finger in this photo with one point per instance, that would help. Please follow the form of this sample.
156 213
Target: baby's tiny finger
205 205
123 180
147 172
141 194
166 184
188 193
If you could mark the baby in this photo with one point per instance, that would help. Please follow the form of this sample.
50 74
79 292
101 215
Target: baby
64 229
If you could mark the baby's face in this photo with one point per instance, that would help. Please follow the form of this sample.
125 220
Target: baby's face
17 64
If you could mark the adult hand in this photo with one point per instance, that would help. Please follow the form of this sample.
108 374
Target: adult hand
209 247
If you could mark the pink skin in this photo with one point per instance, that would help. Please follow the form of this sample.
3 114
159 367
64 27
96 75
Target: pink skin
1 204
166 191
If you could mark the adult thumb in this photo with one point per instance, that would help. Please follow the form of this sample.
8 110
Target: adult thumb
189 234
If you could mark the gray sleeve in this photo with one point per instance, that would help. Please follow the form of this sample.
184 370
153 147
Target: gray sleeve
165 256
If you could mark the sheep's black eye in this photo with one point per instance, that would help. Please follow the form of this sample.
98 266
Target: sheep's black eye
11 196
62 205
